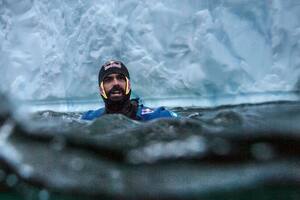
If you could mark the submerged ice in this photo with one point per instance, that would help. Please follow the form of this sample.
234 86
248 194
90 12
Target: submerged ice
53 49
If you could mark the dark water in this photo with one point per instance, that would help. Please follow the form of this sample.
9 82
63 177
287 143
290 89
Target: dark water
231 152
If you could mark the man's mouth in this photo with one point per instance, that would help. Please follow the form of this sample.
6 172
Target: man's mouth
116 93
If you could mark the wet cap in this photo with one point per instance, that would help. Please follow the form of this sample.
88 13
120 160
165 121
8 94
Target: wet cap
112 67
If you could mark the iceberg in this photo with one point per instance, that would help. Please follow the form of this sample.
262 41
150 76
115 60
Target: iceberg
198 52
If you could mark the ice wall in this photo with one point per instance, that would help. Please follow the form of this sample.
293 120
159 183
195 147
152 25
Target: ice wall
202 48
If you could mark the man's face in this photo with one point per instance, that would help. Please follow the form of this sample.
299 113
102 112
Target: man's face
114 86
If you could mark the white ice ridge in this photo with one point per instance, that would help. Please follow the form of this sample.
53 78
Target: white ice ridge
53 49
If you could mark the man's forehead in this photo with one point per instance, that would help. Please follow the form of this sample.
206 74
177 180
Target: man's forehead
114 75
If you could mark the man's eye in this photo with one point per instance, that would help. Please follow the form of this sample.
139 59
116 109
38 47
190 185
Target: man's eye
108 79
121 77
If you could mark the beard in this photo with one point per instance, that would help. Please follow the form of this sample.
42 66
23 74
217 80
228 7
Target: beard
120 103
116 90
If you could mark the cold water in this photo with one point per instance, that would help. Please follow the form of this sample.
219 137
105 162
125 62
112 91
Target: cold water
241 151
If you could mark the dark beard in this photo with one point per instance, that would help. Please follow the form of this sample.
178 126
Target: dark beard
122 106
116 99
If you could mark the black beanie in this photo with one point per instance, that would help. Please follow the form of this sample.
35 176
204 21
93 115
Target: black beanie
112 67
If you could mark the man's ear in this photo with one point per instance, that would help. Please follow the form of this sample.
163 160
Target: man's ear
102 91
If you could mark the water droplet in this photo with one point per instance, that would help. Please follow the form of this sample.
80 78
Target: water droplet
26 170
262 151
44 195
77 164
220 146
58 143
2 175
11 180
115 174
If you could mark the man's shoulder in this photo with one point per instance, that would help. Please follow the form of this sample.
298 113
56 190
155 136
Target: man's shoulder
93 114
146 113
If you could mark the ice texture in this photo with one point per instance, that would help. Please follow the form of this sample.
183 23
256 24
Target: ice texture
173 49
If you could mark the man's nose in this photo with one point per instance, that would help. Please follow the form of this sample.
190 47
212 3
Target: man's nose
116 81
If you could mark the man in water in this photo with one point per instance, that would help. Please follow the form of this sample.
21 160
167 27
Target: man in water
114 86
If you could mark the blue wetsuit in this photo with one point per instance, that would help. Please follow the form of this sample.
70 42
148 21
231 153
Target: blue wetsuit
143 113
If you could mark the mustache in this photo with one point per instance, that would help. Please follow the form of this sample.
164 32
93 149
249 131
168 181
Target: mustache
116 88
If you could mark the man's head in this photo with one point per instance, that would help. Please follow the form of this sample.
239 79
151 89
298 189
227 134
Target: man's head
114 82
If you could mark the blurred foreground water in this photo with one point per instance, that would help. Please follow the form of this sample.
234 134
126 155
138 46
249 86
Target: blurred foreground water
248 151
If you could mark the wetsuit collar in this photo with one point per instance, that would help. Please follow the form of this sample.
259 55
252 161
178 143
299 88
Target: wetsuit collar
128 108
